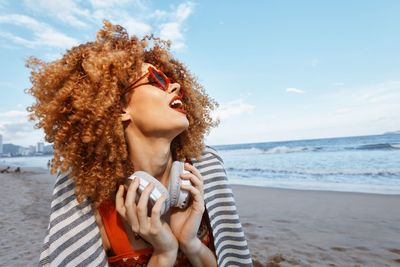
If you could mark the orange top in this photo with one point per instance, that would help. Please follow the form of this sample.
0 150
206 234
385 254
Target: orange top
124 255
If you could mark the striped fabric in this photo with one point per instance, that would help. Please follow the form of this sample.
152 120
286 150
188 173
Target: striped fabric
73 238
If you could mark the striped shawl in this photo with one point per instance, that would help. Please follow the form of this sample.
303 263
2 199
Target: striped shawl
73 237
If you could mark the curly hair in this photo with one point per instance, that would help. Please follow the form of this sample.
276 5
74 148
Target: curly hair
79 99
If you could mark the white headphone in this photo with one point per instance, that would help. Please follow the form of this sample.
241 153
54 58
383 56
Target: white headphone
176 196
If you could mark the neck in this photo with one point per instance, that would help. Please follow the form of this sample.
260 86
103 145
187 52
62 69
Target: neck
151 154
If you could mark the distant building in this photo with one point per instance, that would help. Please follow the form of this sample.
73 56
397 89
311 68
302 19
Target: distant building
11 150
32 150
1 144
48 149
24 151
40 147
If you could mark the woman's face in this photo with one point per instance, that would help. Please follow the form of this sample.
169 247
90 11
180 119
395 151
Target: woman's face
149 109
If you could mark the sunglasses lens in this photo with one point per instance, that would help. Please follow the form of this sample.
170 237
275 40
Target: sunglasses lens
161 79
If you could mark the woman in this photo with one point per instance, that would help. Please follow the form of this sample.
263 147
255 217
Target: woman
112 107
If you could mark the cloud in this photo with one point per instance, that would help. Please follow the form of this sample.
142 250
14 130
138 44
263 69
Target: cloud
13 115
370 109
364 110
43 34
184 10
380 93
16 129
102 4
18 40
173 30
231 109
127 13
294 90
350 110
137 16
134 26
66 11
159 14
168 25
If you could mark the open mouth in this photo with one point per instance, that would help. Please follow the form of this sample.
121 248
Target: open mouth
177 104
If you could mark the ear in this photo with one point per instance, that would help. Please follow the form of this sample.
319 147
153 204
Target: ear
125 116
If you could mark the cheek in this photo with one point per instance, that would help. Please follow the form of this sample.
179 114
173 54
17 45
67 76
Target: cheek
148 109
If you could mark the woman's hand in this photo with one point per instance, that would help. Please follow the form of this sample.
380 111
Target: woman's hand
185 223
152 229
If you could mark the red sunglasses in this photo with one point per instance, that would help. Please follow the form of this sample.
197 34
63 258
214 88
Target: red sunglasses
155 77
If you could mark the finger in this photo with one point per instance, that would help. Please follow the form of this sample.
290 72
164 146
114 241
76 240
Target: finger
156 212
198 201
119 201
142 204
197 174
194 180
130 204
132 191
197 196
193 170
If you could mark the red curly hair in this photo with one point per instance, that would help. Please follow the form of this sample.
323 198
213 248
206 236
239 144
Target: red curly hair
79 99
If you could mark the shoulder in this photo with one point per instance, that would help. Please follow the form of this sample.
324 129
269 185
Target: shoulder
64 184
210 153
211 167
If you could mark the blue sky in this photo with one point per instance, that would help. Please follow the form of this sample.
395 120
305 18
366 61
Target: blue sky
281 70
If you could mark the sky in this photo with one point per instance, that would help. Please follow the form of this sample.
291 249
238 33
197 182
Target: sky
280 70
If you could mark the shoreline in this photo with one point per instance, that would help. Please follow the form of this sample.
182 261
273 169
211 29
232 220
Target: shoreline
325 190
283 227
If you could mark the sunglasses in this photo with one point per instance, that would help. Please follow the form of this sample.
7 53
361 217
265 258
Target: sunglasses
155 77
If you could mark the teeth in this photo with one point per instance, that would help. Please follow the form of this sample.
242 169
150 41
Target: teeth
176 103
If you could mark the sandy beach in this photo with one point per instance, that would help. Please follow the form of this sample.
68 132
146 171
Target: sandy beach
317 228
24 212
283 227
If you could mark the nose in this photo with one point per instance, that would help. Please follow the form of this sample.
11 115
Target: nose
175 88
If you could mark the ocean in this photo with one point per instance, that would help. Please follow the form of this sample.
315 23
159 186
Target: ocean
369 164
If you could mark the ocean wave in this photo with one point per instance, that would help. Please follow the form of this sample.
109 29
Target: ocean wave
242 151
384 146
316 172
286 149
308 149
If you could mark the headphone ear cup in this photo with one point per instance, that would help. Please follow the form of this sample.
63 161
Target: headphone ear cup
179 198
174 184
156 193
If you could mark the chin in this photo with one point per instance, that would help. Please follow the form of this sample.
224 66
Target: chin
183 122
183 126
